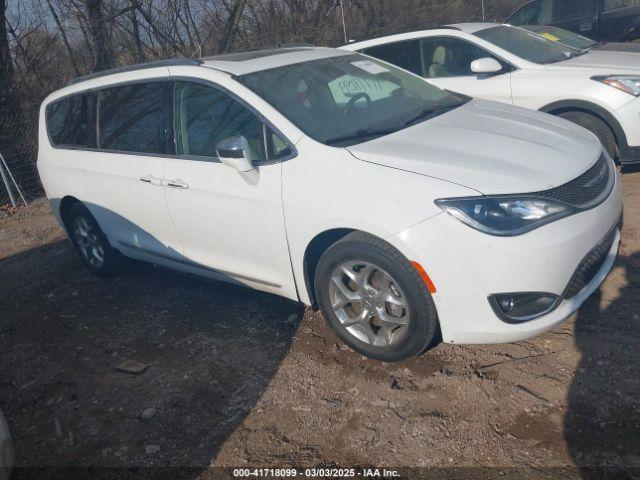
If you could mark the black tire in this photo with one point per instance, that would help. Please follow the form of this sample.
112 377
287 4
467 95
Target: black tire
596 126
111 258
422 328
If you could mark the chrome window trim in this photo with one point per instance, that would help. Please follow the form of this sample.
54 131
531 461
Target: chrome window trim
173 79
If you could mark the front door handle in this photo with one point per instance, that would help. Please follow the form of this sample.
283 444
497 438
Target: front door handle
151 180
176 183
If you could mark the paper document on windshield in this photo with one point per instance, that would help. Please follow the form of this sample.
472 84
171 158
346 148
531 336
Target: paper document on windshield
550 36
370 67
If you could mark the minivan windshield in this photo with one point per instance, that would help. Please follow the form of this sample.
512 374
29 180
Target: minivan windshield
349 99
530 46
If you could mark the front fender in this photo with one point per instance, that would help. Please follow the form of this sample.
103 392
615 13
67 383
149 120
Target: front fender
594 109
326 188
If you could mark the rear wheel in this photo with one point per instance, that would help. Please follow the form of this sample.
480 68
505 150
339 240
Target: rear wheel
596 126
374 299
90 242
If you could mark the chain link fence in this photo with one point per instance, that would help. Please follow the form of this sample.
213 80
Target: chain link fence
19 181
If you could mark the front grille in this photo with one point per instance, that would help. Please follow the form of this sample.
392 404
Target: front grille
583 189
590 265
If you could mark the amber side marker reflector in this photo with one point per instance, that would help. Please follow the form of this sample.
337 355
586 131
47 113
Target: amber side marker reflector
427 281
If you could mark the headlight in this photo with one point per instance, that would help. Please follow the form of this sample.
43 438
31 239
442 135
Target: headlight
625 83
505 215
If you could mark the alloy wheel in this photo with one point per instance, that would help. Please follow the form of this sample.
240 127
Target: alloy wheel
88 241
369 303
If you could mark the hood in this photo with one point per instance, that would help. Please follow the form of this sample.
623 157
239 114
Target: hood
613 62
490 147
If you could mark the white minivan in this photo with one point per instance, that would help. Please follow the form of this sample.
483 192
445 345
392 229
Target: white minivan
403 212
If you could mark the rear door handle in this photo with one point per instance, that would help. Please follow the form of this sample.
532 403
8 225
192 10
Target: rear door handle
151 180
176 183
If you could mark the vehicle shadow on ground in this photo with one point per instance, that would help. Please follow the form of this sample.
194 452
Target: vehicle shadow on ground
602 425
212 349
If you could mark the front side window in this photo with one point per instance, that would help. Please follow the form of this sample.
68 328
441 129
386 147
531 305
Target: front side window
276 147
204 116
450 57
349 99
71 121
134 118
526 45
403 54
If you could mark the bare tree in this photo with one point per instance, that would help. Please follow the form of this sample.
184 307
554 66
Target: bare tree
232 25
63 33
12 125
135 32
7 91
99 36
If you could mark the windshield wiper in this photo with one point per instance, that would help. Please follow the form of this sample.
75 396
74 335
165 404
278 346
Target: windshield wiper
431 112
359 135
368 132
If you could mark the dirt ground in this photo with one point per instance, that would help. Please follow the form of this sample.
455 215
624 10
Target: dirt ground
241 378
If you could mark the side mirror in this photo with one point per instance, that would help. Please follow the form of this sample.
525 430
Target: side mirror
234 152
485 66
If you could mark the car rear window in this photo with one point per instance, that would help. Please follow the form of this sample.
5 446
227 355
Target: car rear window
71 121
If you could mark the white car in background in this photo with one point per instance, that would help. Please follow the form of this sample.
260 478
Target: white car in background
340 181
597 89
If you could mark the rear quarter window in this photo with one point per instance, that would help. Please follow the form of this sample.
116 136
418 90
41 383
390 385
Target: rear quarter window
71 121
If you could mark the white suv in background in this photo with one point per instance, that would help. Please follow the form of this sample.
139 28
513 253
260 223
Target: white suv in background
327 177
596 89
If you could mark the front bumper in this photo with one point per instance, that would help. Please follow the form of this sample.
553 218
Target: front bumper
468 266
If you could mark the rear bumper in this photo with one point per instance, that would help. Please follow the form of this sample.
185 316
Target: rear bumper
468 266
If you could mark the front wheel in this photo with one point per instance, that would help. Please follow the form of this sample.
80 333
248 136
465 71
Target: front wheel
596 126
374 299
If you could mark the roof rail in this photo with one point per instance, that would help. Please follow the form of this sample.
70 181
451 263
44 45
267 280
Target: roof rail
272 47
172 62
275 46
435 27
292 45
441 27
